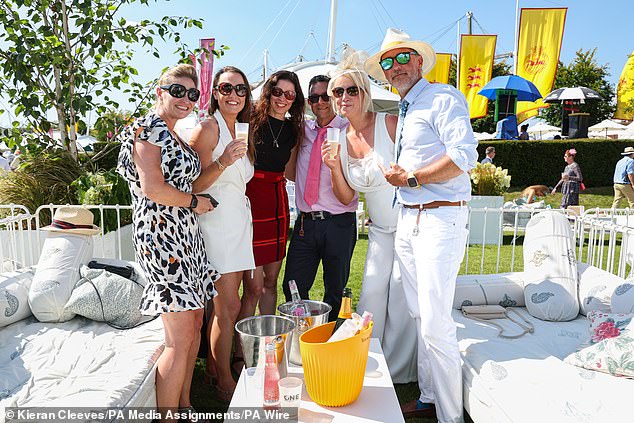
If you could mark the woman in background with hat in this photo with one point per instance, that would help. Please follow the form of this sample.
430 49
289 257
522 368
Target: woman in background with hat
570 181
160 169
367 144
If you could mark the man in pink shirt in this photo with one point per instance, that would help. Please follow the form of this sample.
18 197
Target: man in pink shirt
325 229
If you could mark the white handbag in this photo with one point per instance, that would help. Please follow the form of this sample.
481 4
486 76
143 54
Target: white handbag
486 313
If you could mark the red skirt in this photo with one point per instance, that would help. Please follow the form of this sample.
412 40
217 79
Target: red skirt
270 212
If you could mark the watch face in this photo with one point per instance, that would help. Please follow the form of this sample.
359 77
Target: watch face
194 202
412 182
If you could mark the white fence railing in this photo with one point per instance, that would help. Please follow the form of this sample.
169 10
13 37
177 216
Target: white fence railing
603 237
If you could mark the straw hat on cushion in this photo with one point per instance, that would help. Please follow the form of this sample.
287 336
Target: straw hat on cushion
395 38
73 220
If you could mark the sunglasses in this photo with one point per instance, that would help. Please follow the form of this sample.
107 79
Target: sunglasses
352 91
179 91
314 98
289 95
401 58
226 88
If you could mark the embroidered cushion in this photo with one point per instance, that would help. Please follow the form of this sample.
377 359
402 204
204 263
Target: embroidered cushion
596 287
14 296
505 289
56 274
622 300
106 297
611 348
550 268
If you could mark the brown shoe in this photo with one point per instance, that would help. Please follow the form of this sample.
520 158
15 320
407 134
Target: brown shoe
413 409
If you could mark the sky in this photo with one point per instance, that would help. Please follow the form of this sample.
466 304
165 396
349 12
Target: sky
288 28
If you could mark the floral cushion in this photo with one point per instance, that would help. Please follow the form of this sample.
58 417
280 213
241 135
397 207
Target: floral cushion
612 345
607 325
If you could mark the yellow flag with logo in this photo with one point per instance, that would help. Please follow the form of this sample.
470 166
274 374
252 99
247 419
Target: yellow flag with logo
539 45
625 91
440 72
476 67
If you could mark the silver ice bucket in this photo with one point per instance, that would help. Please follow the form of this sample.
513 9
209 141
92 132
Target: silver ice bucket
257 332
319 312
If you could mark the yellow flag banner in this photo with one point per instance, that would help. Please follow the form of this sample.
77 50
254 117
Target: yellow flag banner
625 91
540 36
440 71
476 67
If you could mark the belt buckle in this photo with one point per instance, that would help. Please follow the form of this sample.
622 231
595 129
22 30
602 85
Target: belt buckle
317 215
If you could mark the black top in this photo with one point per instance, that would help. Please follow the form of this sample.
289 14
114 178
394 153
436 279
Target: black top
273 145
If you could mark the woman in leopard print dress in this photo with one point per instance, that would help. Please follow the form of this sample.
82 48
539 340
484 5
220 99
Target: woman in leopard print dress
160 169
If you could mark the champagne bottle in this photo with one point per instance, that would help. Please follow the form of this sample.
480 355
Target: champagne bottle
299 308
345 312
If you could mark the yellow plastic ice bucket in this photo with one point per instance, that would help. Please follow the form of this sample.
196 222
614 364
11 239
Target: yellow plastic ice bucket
334 371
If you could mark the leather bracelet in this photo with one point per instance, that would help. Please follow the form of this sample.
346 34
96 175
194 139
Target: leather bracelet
220 165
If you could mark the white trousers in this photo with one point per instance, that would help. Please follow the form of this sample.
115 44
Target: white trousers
429 263
382 294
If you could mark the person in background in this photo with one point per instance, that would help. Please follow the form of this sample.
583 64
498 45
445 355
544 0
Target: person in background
325 229
533 191
276 137
624 179
160 169
435 148
227 231
523 132
490 155
570 181
368 142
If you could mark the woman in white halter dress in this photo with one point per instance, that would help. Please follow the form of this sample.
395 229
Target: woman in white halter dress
366 144
227 231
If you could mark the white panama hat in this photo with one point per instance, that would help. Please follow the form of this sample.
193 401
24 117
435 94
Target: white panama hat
395 38
73 220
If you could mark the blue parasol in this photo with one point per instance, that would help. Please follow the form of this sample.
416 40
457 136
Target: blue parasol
525 89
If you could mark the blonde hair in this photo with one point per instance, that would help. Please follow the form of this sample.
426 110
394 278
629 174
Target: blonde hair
179 71
351 66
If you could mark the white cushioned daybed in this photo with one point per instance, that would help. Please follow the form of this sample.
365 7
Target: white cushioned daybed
75 363
532 378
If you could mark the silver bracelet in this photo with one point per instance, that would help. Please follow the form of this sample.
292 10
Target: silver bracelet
220 165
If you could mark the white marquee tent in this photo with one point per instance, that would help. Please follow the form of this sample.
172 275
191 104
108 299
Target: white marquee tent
382 99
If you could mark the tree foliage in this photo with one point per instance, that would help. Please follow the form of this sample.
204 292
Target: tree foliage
584 71
69 55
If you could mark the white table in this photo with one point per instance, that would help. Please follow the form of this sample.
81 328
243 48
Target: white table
376 403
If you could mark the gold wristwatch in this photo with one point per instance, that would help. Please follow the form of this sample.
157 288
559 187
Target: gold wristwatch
412 182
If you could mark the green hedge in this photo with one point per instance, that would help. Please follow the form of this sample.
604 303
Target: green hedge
541 162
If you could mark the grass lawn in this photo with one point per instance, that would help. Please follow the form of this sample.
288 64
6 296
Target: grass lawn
203 396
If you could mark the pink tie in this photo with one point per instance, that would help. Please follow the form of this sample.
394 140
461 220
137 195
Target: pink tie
311 192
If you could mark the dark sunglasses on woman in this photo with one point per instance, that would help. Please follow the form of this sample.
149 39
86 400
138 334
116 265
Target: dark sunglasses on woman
402 58
179 91
352 91
226 88
289 95
314 98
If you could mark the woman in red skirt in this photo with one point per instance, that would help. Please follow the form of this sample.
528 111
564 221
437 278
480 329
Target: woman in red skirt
277 126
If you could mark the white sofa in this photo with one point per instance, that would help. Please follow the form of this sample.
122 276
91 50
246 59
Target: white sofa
77 363
526 379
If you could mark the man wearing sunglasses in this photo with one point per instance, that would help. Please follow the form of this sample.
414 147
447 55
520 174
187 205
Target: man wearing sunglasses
325 229
434 150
